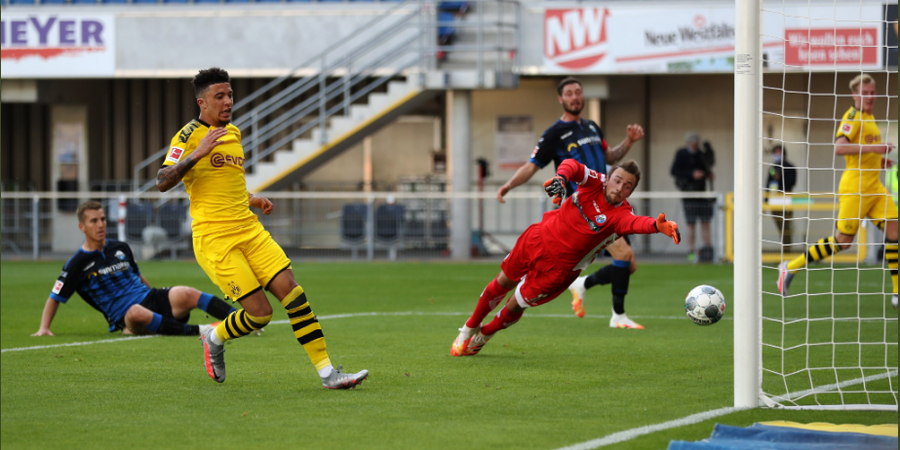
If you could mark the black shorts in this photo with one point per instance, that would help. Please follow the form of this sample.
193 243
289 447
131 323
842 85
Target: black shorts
157 301
698 209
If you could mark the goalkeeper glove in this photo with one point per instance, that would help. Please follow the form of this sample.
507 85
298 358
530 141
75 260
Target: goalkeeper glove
556 188
668 228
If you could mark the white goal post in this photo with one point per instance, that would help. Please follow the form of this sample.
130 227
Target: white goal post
832 343
747 178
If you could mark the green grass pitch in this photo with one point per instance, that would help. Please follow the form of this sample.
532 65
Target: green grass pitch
550 381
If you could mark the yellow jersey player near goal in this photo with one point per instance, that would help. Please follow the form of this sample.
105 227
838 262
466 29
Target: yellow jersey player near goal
860 192
230 243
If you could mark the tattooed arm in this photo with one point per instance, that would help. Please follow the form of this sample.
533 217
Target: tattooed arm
169 176
633 134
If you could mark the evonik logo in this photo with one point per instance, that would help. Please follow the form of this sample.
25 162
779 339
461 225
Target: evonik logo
219 160
576 38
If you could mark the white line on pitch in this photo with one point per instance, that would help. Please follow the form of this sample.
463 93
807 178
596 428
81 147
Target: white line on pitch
75 344
627 435
338 316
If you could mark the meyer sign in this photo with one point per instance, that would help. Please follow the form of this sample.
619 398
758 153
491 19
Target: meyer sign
639 39
57 45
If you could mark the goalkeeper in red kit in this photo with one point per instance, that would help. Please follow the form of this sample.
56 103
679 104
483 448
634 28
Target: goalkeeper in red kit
550 254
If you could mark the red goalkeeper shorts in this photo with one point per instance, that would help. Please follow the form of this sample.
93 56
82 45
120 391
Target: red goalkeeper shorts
543 279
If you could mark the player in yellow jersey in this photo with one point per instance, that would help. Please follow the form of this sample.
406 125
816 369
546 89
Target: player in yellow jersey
230 243
860 193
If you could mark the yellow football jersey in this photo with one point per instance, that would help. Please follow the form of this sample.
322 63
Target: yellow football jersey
216 184
860 128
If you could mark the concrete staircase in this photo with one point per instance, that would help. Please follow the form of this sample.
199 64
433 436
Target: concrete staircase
343 131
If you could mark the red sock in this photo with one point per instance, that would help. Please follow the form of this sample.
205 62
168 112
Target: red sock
491 297
503 320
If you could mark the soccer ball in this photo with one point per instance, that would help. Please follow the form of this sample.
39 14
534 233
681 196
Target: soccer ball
705 305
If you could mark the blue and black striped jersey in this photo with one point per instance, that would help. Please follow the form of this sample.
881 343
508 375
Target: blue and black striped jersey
582 141
108 280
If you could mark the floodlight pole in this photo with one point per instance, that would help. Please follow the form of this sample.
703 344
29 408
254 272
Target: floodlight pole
747 177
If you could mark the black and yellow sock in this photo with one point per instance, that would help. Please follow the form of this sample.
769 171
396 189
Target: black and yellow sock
239 324
890 255
820 250
306 327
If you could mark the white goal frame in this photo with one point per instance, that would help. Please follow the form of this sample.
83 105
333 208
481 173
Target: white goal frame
747 305
747 221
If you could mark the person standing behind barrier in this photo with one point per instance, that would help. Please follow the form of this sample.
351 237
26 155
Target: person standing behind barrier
781 180
691 169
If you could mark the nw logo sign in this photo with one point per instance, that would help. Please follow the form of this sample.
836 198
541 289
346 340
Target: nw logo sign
575 38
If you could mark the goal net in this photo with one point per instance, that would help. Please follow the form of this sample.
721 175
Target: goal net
830 340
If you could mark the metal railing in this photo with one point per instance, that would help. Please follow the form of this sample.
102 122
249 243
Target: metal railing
349 70
323 225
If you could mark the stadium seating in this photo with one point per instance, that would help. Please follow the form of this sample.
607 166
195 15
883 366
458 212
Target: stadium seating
171 218
138 215
353 227
389 227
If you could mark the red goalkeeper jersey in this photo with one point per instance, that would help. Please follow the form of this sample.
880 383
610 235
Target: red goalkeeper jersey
586 223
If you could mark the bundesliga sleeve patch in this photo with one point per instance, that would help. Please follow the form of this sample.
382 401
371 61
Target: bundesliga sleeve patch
847 128
175 154
57 287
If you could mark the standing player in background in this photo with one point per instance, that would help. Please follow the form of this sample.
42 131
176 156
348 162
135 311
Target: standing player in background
573 137
860 192
550 254
230 243
106 276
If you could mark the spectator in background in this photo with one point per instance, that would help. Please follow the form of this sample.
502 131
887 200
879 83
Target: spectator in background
781 180
691 168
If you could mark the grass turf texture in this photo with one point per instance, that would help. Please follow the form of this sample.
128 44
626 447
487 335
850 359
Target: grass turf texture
545 383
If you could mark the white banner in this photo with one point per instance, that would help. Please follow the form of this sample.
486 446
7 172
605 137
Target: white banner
57 45
639 39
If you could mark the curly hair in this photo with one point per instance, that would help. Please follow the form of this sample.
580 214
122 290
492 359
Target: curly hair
208 77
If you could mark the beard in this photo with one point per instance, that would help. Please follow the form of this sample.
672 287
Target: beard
573 111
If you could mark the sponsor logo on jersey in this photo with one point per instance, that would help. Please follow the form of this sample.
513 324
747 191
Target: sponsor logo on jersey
89 265
219 160
57 287
576 38
117 267
571 147
63 274
589 139
566 135
846 128
175 154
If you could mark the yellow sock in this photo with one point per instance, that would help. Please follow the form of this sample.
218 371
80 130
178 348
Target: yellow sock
890 255
239 324
306 327
820 250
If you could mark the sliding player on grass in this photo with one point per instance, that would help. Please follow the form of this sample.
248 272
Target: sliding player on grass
104 273
860 193
573 137
550 254
230 243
